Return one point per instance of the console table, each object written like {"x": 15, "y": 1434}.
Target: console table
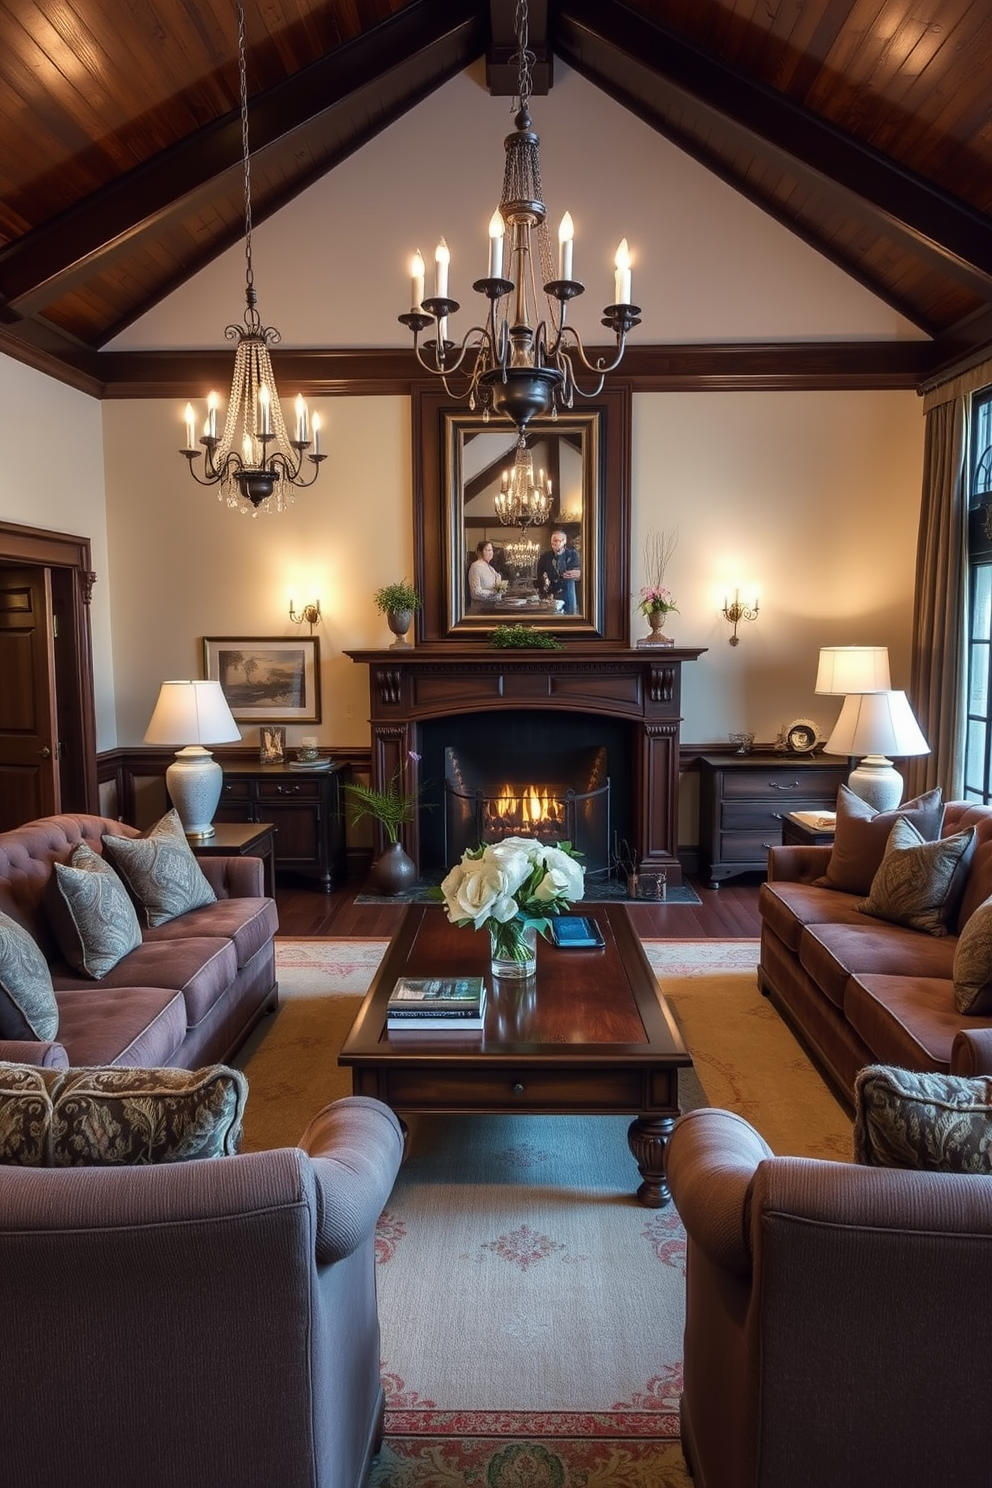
{"x": 305, "y": 808}
{"x": 744, "y": 799}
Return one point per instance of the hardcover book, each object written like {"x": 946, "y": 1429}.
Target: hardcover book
{"x": 437, "y": 997}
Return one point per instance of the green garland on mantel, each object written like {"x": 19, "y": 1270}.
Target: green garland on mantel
{"x": 522, "y": 636}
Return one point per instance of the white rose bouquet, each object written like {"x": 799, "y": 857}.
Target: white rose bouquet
{"x": 511, "y": 886}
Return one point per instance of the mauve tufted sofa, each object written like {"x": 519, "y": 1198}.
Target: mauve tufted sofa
{"x": 187, "y": 996}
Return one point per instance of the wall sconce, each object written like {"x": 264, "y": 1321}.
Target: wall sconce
{"x": 310, "y": 613}
{"x": 735, "y": 613}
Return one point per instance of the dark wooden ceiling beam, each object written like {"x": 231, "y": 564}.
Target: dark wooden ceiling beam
{"x": 41, "y": 265}
{"x": 790, "y": 366}
{"x": 613, "y": 47}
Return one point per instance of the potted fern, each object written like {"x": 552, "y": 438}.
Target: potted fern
{"x": 398, "y": 602}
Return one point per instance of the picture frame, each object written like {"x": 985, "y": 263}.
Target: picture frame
{"x": 266, "y": 679}
{"x": 271, "y": 743}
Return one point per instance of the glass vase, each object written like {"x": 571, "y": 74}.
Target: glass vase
{"x": 513, "y": 946}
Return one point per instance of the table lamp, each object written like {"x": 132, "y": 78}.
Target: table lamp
{"x": 193, "y": 714}
{"x": 875, "y": 725}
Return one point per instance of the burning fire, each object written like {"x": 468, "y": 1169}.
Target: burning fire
{"x": 527, "y": 811}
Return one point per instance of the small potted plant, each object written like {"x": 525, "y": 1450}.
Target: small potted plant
{"x": 398, "y": 603}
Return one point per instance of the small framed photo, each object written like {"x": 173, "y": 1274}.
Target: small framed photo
{"x": 266, "y": 679}
{"x": 271, "y": 744}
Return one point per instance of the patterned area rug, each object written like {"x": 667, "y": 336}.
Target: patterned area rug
{"x": 531, "y": 1310}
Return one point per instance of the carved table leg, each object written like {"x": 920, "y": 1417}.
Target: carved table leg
{"x": 648, "y": 1139}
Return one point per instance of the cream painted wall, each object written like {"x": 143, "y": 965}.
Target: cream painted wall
{"x": 52, "y": 441}
{"x": 187, "y": 566}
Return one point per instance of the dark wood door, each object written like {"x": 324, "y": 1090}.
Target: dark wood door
{"x": 29, "y": 774}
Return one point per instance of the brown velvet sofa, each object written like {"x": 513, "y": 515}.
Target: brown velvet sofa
{"x": 833, "y": 1313}
{"x": 187, "y": 996}
{"x": 860, "y": 990}
{"x": 198, "y": 1323}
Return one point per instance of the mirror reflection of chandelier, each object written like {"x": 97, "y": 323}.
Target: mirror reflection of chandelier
{"x": 518, "y": 364}
{"x": 522, "y": 555}
{"x": 523, "y": 501}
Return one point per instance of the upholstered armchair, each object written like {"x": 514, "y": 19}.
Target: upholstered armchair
{"x": 836, "y": 1317}
{"x": 197, "y": 1323}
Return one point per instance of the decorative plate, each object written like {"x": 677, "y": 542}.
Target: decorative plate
{"x": 801, "y": 736}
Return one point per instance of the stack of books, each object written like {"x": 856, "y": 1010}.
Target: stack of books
{"x": 437, "y": 1003}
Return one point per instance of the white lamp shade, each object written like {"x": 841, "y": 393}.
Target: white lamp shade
{"x": 877, "y": 723}
{"x": 192, "y": 713}
{"x": 846, "y": 669}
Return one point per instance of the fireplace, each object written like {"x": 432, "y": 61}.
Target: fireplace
{"x": 552, "y": 796}
{"x": 429, "y": 697}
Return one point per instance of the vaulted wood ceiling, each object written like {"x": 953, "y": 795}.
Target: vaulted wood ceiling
{"x": 865, "y": 126}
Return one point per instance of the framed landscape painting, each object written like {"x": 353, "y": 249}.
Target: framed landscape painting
{"x": 266, "y": 679}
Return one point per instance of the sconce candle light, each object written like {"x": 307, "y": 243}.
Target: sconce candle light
{"x": 309, "y": 613}
{"x": 738, "y": 611}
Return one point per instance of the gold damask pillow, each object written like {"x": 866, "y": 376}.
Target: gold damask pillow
{"x": 919, "y": 884}
{"x": 65, "y": 1118}
{"x": 938, "y": 1123}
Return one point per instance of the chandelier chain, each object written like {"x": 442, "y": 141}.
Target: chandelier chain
{"x": 251, "y": 315}
{"x": 523, "y": 56}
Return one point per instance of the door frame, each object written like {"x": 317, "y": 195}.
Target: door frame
{"x": 71, "y": 556}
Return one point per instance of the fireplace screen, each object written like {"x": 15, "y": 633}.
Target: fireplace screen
{"x": 562, "y": 796}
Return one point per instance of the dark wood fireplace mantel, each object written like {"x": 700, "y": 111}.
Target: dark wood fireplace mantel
{"x": 408, "y": 686}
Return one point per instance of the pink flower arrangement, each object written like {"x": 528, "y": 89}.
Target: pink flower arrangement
{"x": 656, "y": 599}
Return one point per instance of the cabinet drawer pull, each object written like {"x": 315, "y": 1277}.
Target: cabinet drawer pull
{"x": 518, "y": 1089}
{"x": 790, "y": 785}
{"x": 287, "y": 790}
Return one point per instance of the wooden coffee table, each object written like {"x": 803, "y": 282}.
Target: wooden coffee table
{"x": 589, "y": 1035}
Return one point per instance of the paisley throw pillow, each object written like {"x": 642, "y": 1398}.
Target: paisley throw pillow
{"x": 161, "y": 870}
{"x": 28, "y": 1009}
{"x": 919, "y": 884}
{"x": 940, "y": 1123}
{"x": 91, "y": 913}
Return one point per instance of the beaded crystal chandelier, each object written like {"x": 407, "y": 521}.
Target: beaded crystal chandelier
{"x": 254, "y": 461}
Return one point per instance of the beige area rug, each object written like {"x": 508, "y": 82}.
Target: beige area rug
{"x": 531, "y": 1309}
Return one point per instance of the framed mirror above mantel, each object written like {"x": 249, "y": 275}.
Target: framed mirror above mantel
{"x": 576, "y": 585}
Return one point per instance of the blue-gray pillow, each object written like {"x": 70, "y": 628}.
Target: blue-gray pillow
{"x": 28, "y": 1009}
{"x": 91, "y": 913}
{"x": 160, "y": 870}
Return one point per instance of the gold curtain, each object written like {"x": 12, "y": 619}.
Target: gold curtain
{"x": 939, "y": 665}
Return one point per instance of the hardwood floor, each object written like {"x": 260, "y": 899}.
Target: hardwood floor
{"x": 729, "y": 912}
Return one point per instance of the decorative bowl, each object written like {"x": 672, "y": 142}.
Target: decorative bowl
{"x": 742, "y": 742}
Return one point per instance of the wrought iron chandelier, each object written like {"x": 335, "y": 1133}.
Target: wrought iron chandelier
{"x": 523, "y": 501}
{"x": 254, "y": 461}
{"x": 512, "y": 365}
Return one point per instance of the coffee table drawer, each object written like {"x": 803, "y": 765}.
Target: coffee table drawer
{"x": 527, "y": 1088}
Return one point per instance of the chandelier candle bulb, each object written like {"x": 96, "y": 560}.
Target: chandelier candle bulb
{"x": 264, "y": 411}
{"x": 316, "y": 433}
{"x": 302, "y": 419}
{"x": 496, "y": 232}
{"x": 442, "y": 259}
{"x": 213, "y": 402}
{"x": 190, "y": 429}
{"x": 417, "y": 281}
{"x": 566, "y": 232}
{"x": 621, "y": 279}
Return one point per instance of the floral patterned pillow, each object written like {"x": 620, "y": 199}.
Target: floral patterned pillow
{"x": 62, "y": 1118}
{"x": 161, "y": 870}
{"x": 940, "y": 1123}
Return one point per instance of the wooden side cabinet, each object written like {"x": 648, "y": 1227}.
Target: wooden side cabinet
{"x": 743, "y": 800}
{"x": 305, "y": 808}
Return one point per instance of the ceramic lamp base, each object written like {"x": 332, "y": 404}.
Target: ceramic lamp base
{"x": 877, "y": 781}
{"x": 194, "y": 781}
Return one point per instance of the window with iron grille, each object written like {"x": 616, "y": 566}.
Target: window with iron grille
{"x": 978, "y": 736}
